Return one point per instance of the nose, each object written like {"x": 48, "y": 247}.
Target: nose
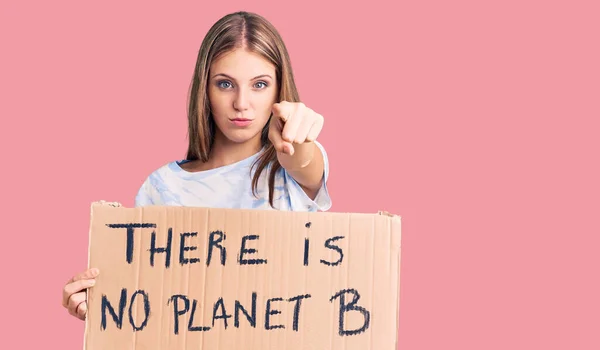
{"x": 241, "y": 101}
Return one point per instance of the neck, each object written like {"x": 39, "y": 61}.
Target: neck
{"x": 225, "y": 152}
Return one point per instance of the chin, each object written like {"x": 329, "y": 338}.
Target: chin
{"x": 241, "y": 136}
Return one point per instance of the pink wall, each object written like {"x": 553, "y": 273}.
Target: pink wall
{"x": 488, "y": 112}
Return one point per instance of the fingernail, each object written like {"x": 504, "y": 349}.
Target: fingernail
{"x": 95, "y": 272}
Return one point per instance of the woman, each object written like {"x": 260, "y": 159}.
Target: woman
{"x": 252, "y": 144}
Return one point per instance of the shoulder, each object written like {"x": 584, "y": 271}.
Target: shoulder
{"x": 165, "y": 174}
{"x": 161, "y": 180}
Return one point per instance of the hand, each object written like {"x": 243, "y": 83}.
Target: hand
{"x": 293, "y": 123}
{"x": 75, "y": 292}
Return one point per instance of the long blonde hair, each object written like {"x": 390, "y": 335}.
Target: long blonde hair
{"x": 255, "y": 33}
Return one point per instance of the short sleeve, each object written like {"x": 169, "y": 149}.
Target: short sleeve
{"x": 299, "y": 200}
{"x": 144, "y": 195}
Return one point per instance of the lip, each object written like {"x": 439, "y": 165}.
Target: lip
{"x": 241, "y": 121}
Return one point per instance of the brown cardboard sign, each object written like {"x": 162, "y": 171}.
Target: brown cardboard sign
{"x": 222, "y": 279}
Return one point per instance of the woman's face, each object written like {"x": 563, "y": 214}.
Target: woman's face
{"x": 242, "y": 88}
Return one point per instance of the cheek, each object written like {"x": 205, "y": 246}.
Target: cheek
{"x": 218, "y": 102}
{"x": 264, "y": 103}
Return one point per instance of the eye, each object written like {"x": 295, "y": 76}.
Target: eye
{"x": 224, "y": 84}
{"x": 261, "y": 85}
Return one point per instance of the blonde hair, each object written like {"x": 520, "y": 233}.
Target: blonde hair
{"x": 237, "y": 30}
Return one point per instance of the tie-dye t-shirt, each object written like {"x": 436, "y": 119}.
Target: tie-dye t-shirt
{"x": 229, "y": 187}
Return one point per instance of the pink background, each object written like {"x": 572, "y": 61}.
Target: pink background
{"x": 476, "y": 121}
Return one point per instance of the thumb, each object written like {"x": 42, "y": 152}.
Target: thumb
{"x": 278, "y": 142}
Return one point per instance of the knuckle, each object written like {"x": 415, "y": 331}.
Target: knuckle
{"x": 81, "y": 308}
{"x": 67, "y": 290}
{"x": 76, "y": 301}
{"x": 72, "y": 302}
{"x": 72, "y": 308}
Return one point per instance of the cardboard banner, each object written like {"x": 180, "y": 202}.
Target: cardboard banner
{"x": 223, "y": 279}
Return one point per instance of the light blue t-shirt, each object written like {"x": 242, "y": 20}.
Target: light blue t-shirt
{"x": 229, "y": 187}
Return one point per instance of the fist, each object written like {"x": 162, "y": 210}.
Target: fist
{"x": 293, "y": 123}
{"x": 75, "y": 293}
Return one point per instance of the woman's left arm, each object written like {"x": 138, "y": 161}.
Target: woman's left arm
{"x": 293, "y": 130}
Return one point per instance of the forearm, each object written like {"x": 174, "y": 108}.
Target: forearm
{"x": 306, "y": 166}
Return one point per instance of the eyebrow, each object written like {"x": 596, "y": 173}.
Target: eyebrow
{"x": 227, "y": 76}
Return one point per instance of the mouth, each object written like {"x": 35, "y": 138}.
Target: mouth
{"x": 241, "y": 121}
